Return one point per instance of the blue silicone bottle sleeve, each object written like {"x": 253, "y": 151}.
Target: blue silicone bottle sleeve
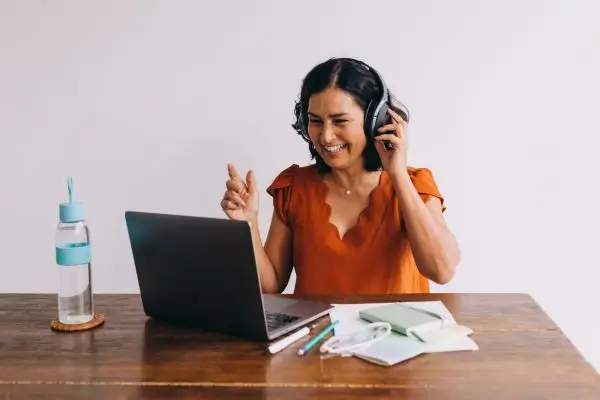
{"x": 73, "y": 254}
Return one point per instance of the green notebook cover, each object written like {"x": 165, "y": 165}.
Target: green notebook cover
{"x": 403, "y": 319}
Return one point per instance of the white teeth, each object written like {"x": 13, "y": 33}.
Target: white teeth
{"x": 335, "y": 149}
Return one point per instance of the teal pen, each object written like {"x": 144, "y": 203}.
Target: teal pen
{"x": 316, "y": 339}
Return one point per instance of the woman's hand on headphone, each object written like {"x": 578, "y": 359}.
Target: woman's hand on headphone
{"x": 240, "y": 201}
{"x": 393, "y": 160}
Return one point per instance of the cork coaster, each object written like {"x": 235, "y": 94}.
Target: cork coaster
{"x": 60, "y": 327}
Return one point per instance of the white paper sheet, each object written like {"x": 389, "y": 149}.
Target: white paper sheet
{"x": 397, "y": 348}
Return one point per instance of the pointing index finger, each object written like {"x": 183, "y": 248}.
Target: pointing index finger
{"x": 232, "y": 172}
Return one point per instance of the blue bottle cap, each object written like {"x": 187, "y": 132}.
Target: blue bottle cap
{"x": 73, "y": 211}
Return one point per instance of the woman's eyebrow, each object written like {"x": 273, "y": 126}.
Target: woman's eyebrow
{"x": 330, "y": 115}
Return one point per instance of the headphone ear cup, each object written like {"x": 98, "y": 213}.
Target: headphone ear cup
{"x": 400, "y": 109}
{"x": 382, "y": 118}
{"x": 376, "y": 116}
{"x": 369, "y": 122}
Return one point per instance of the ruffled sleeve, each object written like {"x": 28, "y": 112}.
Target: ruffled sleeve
{"x": 281, "y": 191}
{"x": 425, "y": 184}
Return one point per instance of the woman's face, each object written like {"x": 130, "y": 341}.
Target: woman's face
{"x": 335, "y": 127}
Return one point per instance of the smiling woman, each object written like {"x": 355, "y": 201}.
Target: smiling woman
{"x": 335, "y": 129}
{"x": 359, "y": 220}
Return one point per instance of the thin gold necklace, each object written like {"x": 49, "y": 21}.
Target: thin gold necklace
{"x": 347, "y": 191}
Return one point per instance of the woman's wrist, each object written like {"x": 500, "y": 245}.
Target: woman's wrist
{"x": 401, "y": 181}
{"x": 253, "y": 220}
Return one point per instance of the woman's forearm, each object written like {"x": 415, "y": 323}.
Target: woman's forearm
{"x": 269, "y": 280}
{"x": 434, "y": 247}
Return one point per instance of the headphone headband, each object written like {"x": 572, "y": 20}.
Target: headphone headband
{"x": 378, "y": 77}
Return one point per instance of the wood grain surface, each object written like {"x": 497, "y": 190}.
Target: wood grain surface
{"x": 522, "y": 355}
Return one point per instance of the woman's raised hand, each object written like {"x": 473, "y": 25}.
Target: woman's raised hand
{"x": 240, "y": 201}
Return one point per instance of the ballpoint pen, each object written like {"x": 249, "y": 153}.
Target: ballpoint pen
{"x": 424, "y": 311}
{"x": 316, "y": 339}
{"x": 288, "y": 340}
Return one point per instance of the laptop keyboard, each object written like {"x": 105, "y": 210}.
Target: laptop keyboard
{"x": 277, "y": 320}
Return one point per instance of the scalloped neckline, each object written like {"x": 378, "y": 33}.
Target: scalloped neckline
{"x": 365, "y": 214}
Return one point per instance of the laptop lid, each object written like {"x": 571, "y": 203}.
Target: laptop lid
{"x": 198, "y": 271}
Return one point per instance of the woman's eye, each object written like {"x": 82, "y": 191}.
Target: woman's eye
{"x": 314, "y": 121}
{"x": 341, "y": 121}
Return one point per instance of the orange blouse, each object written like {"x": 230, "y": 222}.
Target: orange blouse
{"x": 374, "y": 257}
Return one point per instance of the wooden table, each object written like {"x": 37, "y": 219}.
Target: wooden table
{"x": 522, "y": 355}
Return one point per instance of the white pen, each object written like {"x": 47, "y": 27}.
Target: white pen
{"x": 288, "y": 340}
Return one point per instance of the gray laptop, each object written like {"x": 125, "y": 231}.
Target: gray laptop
{"x": 201, "y": 272}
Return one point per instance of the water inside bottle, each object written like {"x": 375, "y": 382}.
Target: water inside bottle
{"x": 75, "y": 303}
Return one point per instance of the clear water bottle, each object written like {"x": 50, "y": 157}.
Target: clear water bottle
{"x": 73, "y": 256}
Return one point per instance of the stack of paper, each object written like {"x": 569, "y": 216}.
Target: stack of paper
{"x": 396, "y": 347}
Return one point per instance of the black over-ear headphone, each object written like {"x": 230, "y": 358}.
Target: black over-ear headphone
{"x": 376, "y": 112}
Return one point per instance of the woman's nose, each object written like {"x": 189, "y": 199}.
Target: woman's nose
{"x": 328, "y": 133}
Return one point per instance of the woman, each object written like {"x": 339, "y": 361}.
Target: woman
{"x": 359, "y": 220}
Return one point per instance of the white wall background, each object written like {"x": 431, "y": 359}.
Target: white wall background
{"x": 144, "y": 103}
